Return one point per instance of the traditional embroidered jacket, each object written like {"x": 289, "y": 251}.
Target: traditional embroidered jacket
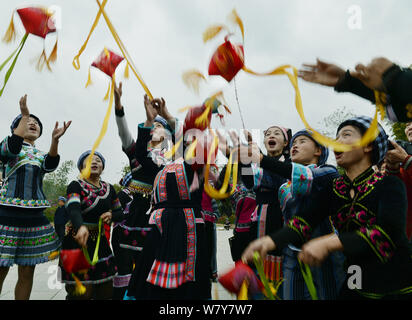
{"x": 25, "y": 167}
{"x": 371, "y": 227}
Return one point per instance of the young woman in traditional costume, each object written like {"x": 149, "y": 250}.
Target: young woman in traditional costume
{"x": 132, "y": 232}
{"x": 174, "y": 263}
{"x": 26, "y": 236}
{"x": 267, "y": 217}
{"x": 91, "y": 202}
{"x": 307, "y": 171}
{"x": 368, "y": 211}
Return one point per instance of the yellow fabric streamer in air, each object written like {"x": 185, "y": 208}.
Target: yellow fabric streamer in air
{"x": 193, "y": 78}
{"x": 76, "y": 59}
{"x": 232, "y": 167}
{"x": 119, "y": 42}
{"x": 369, "y": 136}
{"x": 86, "y": 171}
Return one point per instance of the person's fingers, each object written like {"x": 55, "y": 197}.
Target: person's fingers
{"x": 302, "y": 72}
{"x": 396, "y": 145}
{"x": 307, "y": 75}
{"x": 361, "y": 72}
{"x": 309, "y": 66}
{"x": 248, "y": 136}
{"x": 321, "y": 64}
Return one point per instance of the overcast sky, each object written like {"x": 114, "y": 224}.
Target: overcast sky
{"x": 164, "y": 38}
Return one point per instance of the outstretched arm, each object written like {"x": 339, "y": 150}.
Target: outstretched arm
{"x": 331, "y": 75}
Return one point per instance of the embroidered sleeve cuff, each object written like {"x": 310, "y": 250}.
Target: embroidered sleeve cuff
{"x": 51, "y": 163}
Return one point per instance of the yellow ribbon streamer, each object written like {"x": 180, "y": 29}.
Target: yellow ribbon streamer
{"x": 119, "y": 42}
{"x": 369, "y": 136}
{"x": 86, "y": 171}
{"x": 232, "y": 166}
{"x": 76, "y": 59}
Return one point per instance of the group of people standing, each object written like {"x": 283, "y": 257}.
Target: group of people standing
{"x": 291, "y": 206}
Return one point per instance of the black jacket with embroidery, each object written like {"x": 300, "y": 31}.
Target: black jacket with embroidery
{"x": 371, "y": 228}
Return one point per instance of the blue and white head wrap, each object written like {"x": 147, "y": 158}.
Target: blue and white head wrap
{"x": 85, "y": 154}
{"x": 379, "y": 145}
{"x": 16, "y": 122}
{"x": 324, "y": 150}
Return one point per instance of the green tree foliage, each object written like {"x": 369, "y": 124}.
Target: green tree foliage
{"x": 55, "y": 185}
{"x": 329, "y": 124}
{"x": 398, "y": 129}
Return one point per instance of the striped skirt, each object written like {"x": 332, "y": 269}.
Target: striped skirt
{"x": 26, "y": 237}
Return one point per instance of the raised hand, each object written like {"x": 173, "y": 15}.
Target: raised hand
{"x": 323, "y": 73}
{"x": 371, "y": 75}
{"x": 151, "y": 111}
{"x": 24, "y": 110}
{"x": 117, "y": 96}
{"x": 248, "y": 137}
{"x": 59, "y": 132}
{"x": 160, "y": 106}
{"x": 249, "y": 154}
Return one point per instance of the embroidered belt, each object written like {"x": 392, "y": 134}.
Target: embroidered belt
{"x": 144, "y": 189}
{"x": 93, "y": 229}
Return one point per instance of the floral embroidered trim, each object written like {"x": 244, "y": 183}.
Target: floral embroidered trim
{"x": 364, "y": 187}
{"x": 72, "y": 198}
{"x": 16, "y": 202}
{"x": 90, "y": 195}
{"x": 360, "y": 215}
{"x": 302, "y": 178}
{"x": 140, "y": 187}
{"x": 7, "y": 241}
{"x": 379, "y": 241}
{"x": 285, "y": 194}
{"x": 301, "y": 227}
